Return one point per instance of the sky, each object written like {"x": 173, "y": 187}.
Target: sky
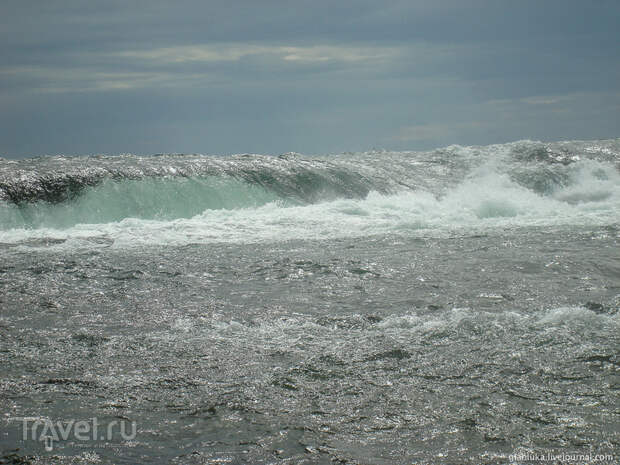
{"x": 219, "y": 77}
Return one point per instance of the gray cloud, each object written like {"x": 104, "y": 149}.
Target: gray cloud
{"x": 153, "y": 76}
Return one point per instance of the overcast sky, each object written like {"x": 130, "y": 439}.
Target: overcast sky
{"x": 262, "y": 76}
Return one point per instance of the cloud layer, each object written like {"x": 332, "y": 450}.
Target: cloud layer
{"x": 224, "y": 77}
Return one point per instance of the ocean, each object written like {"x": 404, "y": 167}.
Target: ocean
{"x": 454, "y": 306}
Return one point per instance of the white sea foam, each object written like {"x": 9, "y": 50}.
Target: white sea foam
{"x": 492, "y": 194}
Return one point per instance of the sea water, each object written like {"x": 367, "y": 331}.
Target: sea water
{"x": 452, "y": 306}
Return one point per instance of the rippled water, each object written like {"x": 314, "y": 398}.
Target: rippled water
{"x": 454, "y": 306}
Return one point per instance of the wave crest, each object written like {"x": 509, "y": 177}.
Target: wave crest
{"x": 349, "y": 194}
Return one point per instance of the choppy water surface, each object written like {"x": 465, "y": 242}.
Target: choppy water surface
{"x": 453, "y": 306}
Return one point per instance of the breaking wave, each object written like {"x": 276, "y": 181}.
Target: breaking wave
{"x": 257, "y": 197}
